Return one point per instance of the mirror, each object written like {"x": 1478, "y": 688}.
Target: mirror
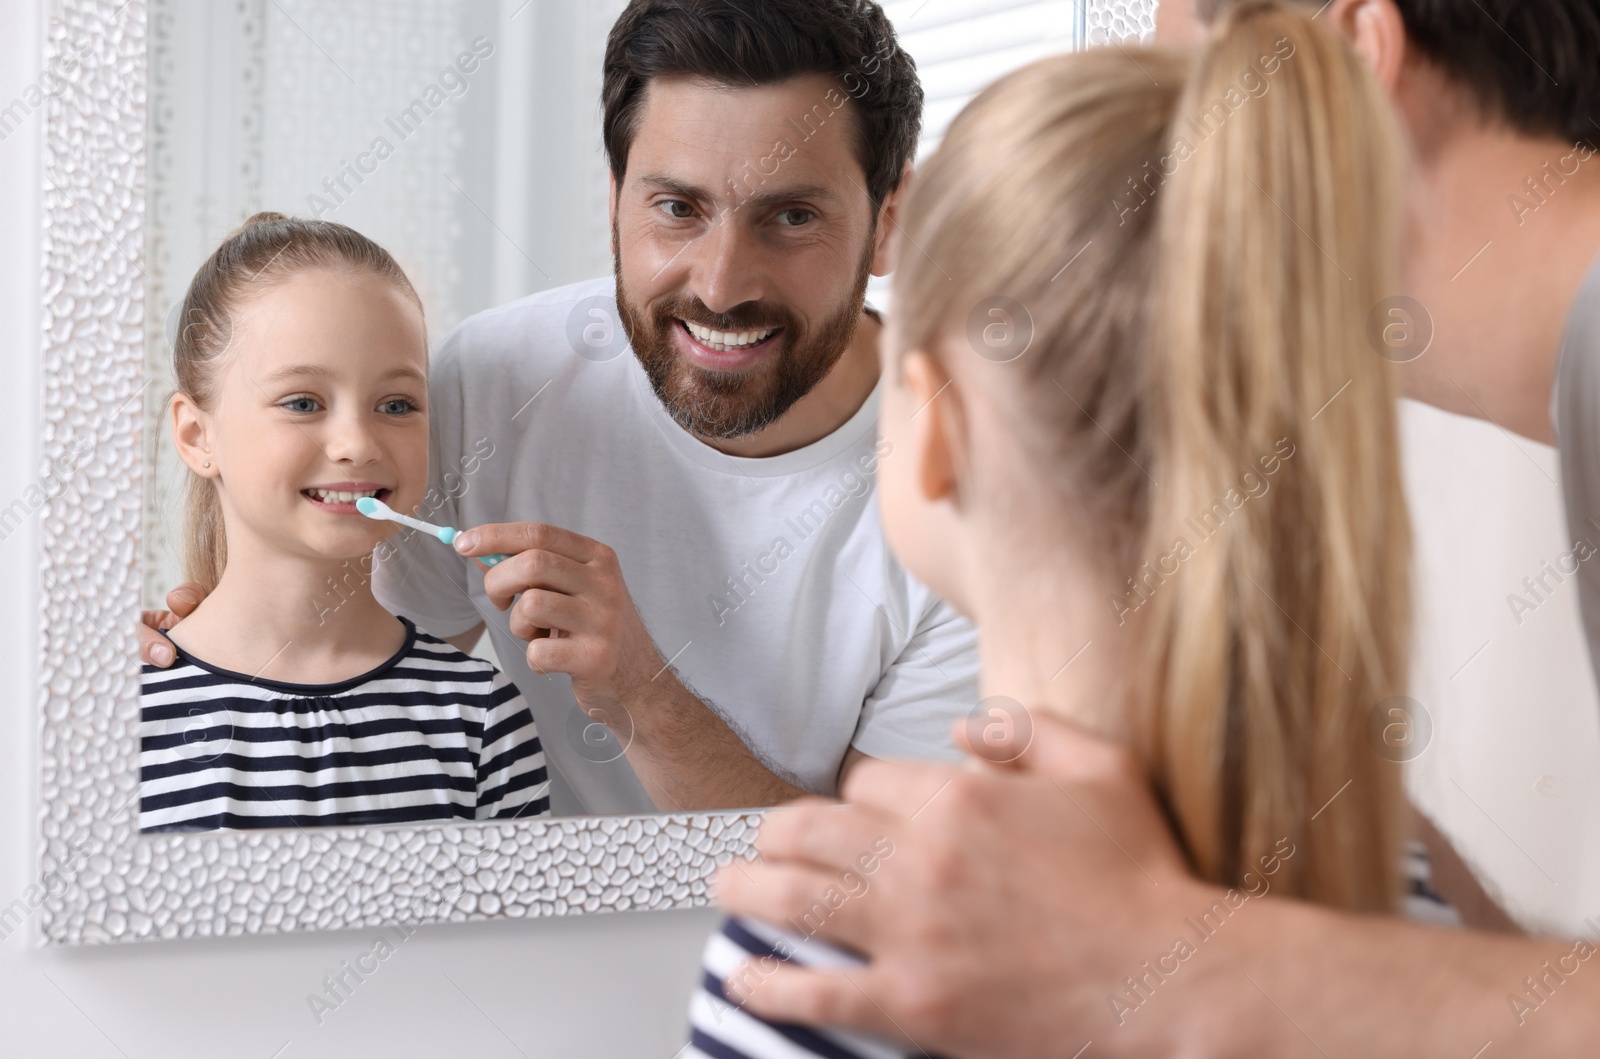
{"x": 463, "y": 136}
{"x": 753, "y": 608}
{"x": 442, "y": 130}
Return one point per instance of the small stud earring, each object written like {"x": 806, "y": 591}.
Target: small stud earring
{"x": 207, "y": 463}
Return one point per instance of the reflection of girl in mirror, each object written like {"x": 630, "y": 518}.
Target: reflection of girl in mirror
{"x": 301, "y": 364}
{"x": 1183, "y": 272}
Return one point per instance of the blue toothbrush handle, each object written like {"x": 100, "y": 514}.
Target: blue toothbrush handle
{"x": 448, "y": 534}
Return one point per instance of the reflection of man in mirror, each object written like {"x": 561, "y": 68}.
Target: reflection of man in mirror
{"x": 697, "y": 558}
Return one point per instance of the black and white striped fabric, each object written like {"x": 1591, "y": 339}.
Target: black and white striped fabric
{"x": 431, "y": 734}
{"x": 1422, "y": 903}
{"x": 719, "y": 1029}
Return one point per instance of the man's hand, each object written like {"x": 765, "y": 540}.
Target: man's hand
{"x": 1027, "y": 910}
{"x": 181, "y": 601}
{"x": 1011, "y": 902}
{"x": 568, "y": 600}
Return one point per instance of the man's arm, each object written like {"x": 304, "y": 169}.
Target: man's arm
{"x": 1360, "y": 985}
{"x": 1028, "y": 910}
{"x": 684, "y": 752}
{"x": 712, "y": 768}
{"x": 569, "y": 602}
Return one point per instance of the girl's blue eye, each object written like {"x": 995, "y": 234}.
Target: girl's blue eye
{"x": 301, "y": 405}
{"x": 397, "y": 406}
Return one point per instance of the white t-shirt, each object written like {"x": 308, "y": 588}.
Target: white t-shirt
{"x": 767, "y": 583}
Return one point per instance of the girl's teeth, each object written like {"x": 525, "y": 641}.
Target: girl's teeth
{"x": 333, "y": 496}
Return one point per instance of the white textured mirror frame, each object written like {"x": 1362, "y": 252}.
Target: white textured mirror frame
{"x": 99, "y": 879}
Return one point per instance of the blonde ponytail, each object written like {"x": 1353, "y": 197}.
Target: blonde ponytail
{"x": 1276, "y": 236}
{"x": 1196, "y": 243}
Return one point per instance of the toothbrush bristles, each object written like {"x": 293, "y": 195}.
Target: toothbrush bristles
{"x": 372, "y": 507}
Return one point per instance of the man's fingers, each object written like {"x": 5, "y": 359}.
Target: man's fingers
{"x": 825, "y": 835}
{"x": 812, "y": 997}
{"x": 181, "y": 602}
{"x": 898, "y": 788}
{"x": 819, "y": 903}
{"x": 183, "y": 599}
{"x": 509, "y": 538}
{"x": 554, "y": 654}
{"x": 535, "y": 568}
{"x": 153, "y": 647}
{"x": 987, "y": 757}
{"x": 1063, "y": 751}
{"x": 538, "y": 610}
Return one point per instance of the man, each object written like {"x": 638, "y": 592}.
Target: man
{"x": 705, "y": 613}
{"x": 1500, "y": 98}
{"x": 1501, "y": 101}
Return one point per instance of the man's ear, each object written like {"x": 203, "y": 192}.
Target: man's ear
{"x": 190, "y": 426}
{"x": 611, "y": 199}
{"x": 1376, "y": 31}
{"x": 888, "y": 220}
{"x": 938, "y": 428}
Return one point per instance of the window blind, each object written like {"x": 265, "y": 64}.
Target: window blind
{"x": 961, "y": 46}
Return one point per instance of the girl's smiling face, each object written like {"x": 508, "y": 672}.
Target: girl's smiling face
{"x": 321, "y": 399}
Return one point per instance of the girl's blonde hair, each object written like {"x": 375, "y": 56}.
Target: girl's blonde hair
{"x": 1198, "y": 243}
{"x": 264, "y": 250}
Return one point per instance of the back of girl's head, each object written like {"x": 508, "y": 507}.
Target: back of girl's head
{"x": 265, "y": 250}
{"x": 1197, "y": 243}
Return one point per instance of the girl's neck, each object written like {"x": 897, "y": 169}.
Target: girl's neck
{"x": 1050, "y": 641}
{"x": 291, "y": 619}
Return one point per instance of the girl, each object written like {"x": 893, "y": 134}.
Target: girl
{"x": 296, "y": 699}
{"x": 1139, "y": 429}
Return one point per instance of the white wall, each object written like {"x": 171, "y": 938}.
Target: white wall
{"x": 614, "y": 985}
{"x": 1513, "y": 771}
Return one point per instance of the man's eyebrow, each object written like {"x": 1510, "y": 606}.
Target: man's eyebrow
{"x": 295, "y": 371}
{"x": 772, "y": 197}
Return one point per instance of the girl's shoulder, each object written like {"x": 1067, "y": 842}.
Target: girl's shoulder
{"x": 431, "y": 659}
{"x": 426, "y": 647}
{"x": 422, "y": 662}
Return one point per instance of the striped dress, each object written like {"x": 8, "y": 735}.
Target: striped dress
{"x": 431, "y": 734}
{"x": 720, "y": 1030}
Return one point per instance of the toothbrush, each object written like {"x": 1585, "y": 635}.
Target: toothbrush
{"x": 374, "y": 508}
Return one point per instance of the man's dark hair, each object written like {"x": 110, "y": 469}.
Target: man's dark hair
{"x": 762, "y": 42}
{"x": 1534, "y": 64}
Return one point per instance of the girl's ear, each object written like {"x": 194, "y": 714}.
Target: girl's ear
{"x": 938, "y": 428}
{"x": 190, "y": 426}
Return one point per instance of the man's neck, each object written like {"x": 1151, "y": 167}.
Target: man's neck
{"x": 1508, "y": 227}
{"x": 828, "y": 406}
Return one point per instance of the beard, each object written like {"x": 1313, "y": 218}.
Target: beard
{"x": 722, "y": 405}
